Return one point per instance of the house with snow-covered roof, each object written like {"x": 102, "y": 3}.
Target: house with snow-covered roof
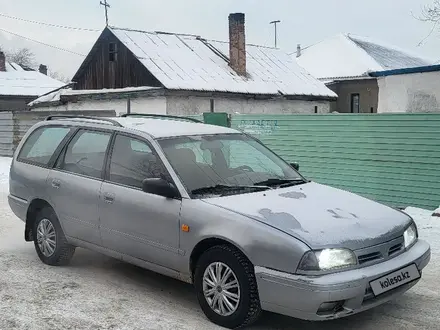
{"x": 19, "y": 85}
{"x": 188, "y": 74}
{"x": 344, "y": 63}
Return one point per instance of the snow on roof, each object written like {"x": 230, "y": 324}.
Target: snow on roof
{"x": 16, "y": 81}
{"x": 347, "y": 55}
{"x": 55, "y": 96}
{"x": 188, "y": 62}
{"x": 163, "y": 128}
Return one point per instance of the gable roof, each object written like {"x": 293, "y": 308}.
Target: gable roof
{"x": 189, "y": 62}
{"x": 346, "y": 55}
{"x": 17, "y": 81}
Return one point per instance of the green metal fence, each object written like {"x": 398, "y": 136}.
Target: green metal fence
{"x": 392, "y": 158}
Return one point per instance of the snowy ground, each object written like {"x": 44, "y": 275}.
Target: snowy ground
{"x": 96, "y": 292}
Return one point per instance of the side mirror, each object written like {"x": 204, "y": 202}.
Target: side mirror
{"x": 160, "y": 187}
{"x": 295, "y": 166}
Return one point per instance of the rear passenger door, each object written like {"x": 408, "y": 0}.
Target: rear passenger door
{"x": 75, "y": 183}
{"x": 135, "y": 223}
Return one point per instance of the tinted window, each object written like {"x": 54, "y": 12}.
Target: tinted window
{"x": 132, "y": 161}
{"x": 42, "y": 143}
{"x": 85, "y": 154}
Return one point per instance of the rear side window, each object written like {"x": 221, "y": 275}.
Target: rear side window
{"x": 42, "y": 143}
{"x": 85, "y": 154}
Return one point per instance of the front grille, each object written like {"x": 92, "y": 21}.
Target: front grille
{"x": 394, "y": 249}
{"x": 381, "y": 252}
{"x": 369, "y": 257}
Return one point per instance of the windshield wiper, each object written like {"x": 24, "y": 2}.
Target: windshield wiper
{"x": 222, "y": 188}
{"x": 281, "y": 182}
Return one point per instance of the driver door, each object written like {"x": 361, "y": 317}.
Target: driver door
{"x": 135, "y": 223}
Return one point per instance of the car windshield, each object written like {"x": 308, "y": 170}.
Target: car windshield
{"x": 226, "y": 164}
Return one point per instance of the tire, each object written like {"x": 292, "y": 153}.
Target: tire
{"x": 248, "y": 308}
{"x": 62, "y": 251}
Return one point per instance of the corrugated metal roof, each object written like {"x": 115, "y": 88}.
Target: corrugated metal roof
{"x": 188, "y": 62}
{"x": 347, "y": 55}
{"x": 16, "y": 81}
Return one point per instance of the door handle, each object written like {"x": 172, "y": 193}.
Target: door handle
{"x": 109, "y": 198}
{"x": 56, "y": 183}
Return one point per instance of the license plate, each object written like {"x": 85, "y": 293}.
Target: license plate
{"x": 395, "y": 279}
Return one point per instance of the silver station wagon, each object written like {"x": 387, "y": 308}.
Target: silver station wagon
{"x": 214, "y": 207}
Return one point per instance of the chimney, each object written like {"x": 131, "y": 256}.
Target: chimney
{"x": 43, "y": 69}
{"x": 298, "y": 50}
{"x": 2, "y": 62}
{"x": 237, "y": 43}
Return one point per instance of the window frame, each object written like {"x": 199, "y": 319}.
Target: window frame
{"x": 112, "y": 52}
{"x": 63, "y": 151}
{"x": 153, "y": 150}
{"x": 55, "y": 154}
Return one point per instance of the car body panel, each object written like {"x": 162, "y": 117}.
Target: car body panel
{"x": 75, "y": 201}
{"x": 142, "y": 225}
{"x": 256, "y": 240}
{"x": 320, "y": 216}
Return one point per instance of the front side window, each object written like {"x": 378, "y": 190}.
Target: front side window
{"x": 85, "y": 154}
{"x": 231, "y": 160}
{"x": 133, "y": 161}
{"x": 42, "y": 143}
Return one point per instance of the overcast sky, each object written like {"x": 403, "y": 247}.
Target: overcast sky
{"x": 304, "y": 22}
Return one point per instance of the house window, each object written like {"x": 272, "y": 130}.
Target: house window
{"x": 355, "y": 108}
{"x": 112, "y": 52}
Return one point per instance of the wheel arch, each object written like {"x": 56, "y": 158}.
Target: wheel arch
{"x": 206, "y": 244}
{"x": 35, "y": 206}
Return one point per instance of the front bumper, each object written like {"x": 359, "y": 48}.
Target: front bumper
{"x": 301, "y": 296}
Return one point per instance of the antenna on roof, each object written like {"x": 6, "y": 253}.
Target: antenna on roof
{"x": 106, "y": 7}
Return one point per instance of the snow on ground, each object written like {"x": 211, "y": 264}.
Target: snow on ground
{"x": 98, "y": 292}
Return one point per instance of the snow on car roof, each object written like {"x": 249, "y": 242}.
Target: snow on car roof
{"x": 162, "y": 128}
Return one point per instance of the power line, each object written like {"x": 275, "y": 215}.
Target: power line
{"x": 42, "y": 43}
{"x": 49, "y": 24}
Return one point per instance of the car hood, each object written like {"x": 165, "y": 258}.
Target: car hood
{"x": 319, "y": 215}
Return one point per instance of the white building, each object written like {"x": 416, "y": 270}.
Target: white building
{"x": 409, "y": 90}
{"x": 190, "y": 75}
{"x": 344, "y": 63}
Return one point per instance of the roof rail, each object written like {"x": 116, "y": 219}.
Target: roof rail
{"x": 107, "y": 120}
{"x": 151, "y": 115}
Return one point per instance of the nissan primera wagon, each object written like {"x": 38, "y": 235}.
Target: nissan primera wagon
{"x": 214, "y": 207}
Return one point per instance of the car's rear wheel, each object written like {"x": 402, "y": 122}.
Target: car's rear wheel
{"x": 226, "y": 287}
{"x": 49, "y": 240}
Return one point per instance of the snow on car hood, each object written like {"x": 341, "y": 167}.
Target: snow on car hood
{"x": 319, "y": 215}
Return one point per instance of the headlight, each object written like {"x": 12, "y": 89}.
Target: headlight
{"x": 410, "y": 236}
{"x": 328, "y": 259}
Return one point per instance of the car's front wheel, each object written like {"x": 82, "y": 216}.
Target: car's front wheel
{"x": 227, "y": 288}
{"x": 49, "y": 240}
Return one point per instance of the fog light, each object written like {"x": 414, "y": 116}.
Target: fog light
{"x": 332, "y": 307}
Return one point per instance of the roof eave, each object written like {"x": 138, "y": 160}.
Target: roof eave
{"x": 418, "y": 69}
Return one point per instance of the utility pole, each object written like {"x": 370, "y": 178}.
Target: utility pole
{"x": 106, "y": 7}
{"x": 275, "y": 25}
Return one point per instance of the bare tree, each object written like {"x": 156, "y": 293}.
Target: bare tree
{"x": 430, "y": 14}
{"x": 58, "y": 76}
{"x": 23, "y": 57}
